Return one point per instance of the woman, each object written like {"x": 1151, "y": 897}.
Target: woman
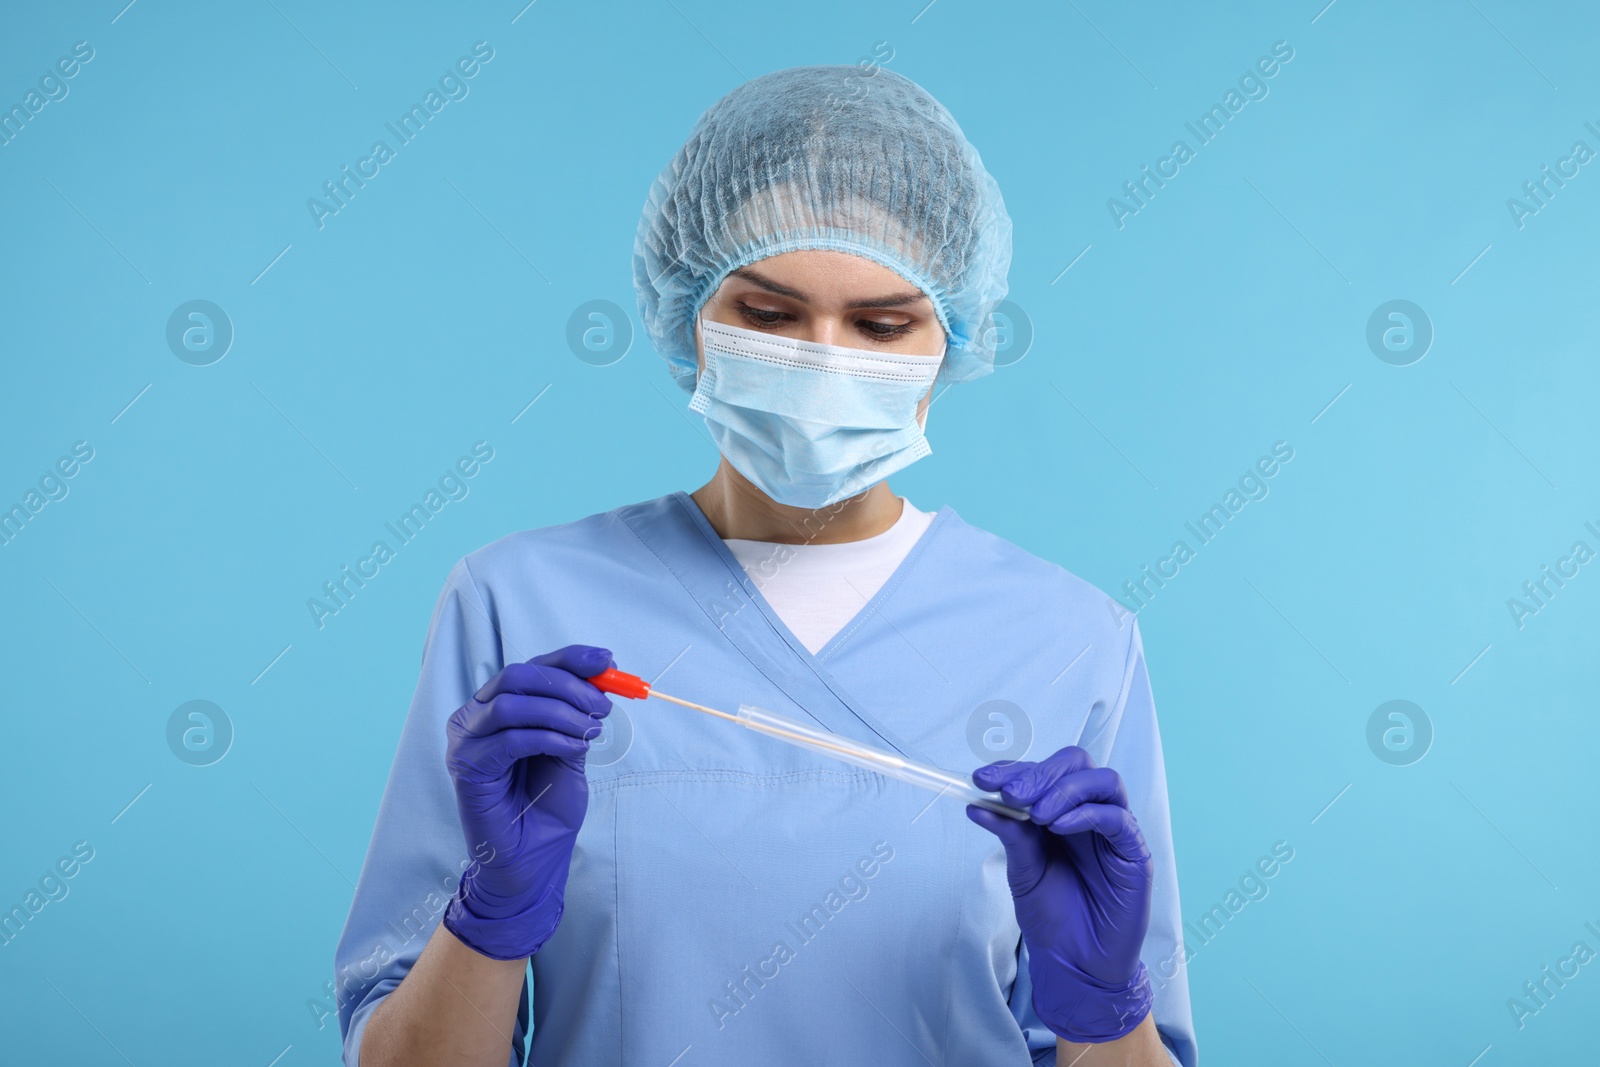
{"x": 824, "y": 249}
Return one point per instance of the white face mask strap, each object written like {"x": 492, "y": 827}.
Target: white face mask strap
{"x": 707, "y": 352}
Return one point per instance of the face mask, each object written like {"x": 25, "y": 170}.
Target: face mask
{"x": 810, "y": 424}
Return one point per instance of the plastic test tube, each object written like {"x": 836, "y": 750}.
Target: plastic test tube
{"x": 623, "y": 684}
{"x": 874, "y": 759}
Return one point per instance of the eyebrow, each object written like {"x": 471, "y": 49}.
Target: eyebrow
{"x": 891, "y": 301}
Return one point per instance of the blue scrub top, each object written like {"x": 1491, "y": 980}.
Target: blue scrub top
{"x": 736, "y": 900}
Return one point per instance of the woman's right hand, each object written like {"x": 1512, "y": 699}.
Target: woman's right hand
{"x": 516, "y": 752}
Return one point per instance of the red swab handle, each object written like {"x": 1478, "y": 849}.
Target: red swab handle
{"x": 621, "y": 683}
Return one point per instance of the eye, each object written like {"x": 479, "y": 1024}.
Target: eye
{"x": 883, "y": 331}
{"x": 762, "y": 317}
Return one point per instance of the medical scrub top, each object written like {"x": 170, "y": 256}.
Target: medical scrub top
{"x": 734, "y": 899}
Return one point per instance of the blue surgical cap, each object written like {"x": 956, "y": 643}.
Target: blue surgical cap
{"x": 851, "y": 159}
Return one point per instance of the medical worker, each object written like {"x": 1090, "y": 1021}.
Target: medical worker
{"x": 816, "y": 262}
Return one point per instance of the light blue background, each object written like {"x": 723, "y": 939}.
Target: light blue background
{"x": 426, "y": 315}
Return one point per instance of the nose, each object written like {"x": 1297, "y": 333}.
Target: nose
{"x": 825, "y": 330}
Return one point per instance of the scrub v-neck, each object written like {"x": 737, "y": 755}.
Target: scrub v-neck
{"x": 697, "y": 557}
{"x": 816, "y": 589}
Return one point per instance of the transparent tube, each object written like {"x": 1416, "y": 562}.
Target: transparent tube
{"x": 874, "y": 759}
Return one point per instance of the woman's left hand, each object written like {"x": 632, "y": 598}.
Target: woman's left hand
{"x": 1080, "y": 877}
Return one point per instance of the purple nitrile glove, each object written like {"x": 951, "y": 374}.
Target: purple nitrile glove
{"x": 516, "y": 753}
{"x": 1080, "y": 877}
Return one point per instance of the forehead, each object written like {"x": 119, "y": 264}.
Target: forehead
{"x": 825, "y": 276}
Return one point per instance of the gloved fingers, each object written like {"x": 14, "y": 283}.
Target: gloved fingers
{"x": 499, "y": 751}
{"x": 538, "y": 679}
{"x": 1065, "y": 761}
{"x": 582, "y": 660}
{"x": 1008, "y": 830}
{"x": 993, "y": 775}
{"x": 1025, "y": 853}
{"x": 509, "y": 711}
{"x": 562, "y": 674}
{"x": 1100, "y": 785}
{"x": 1116, "y": 824}
{"x": 1023, "y": 788}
